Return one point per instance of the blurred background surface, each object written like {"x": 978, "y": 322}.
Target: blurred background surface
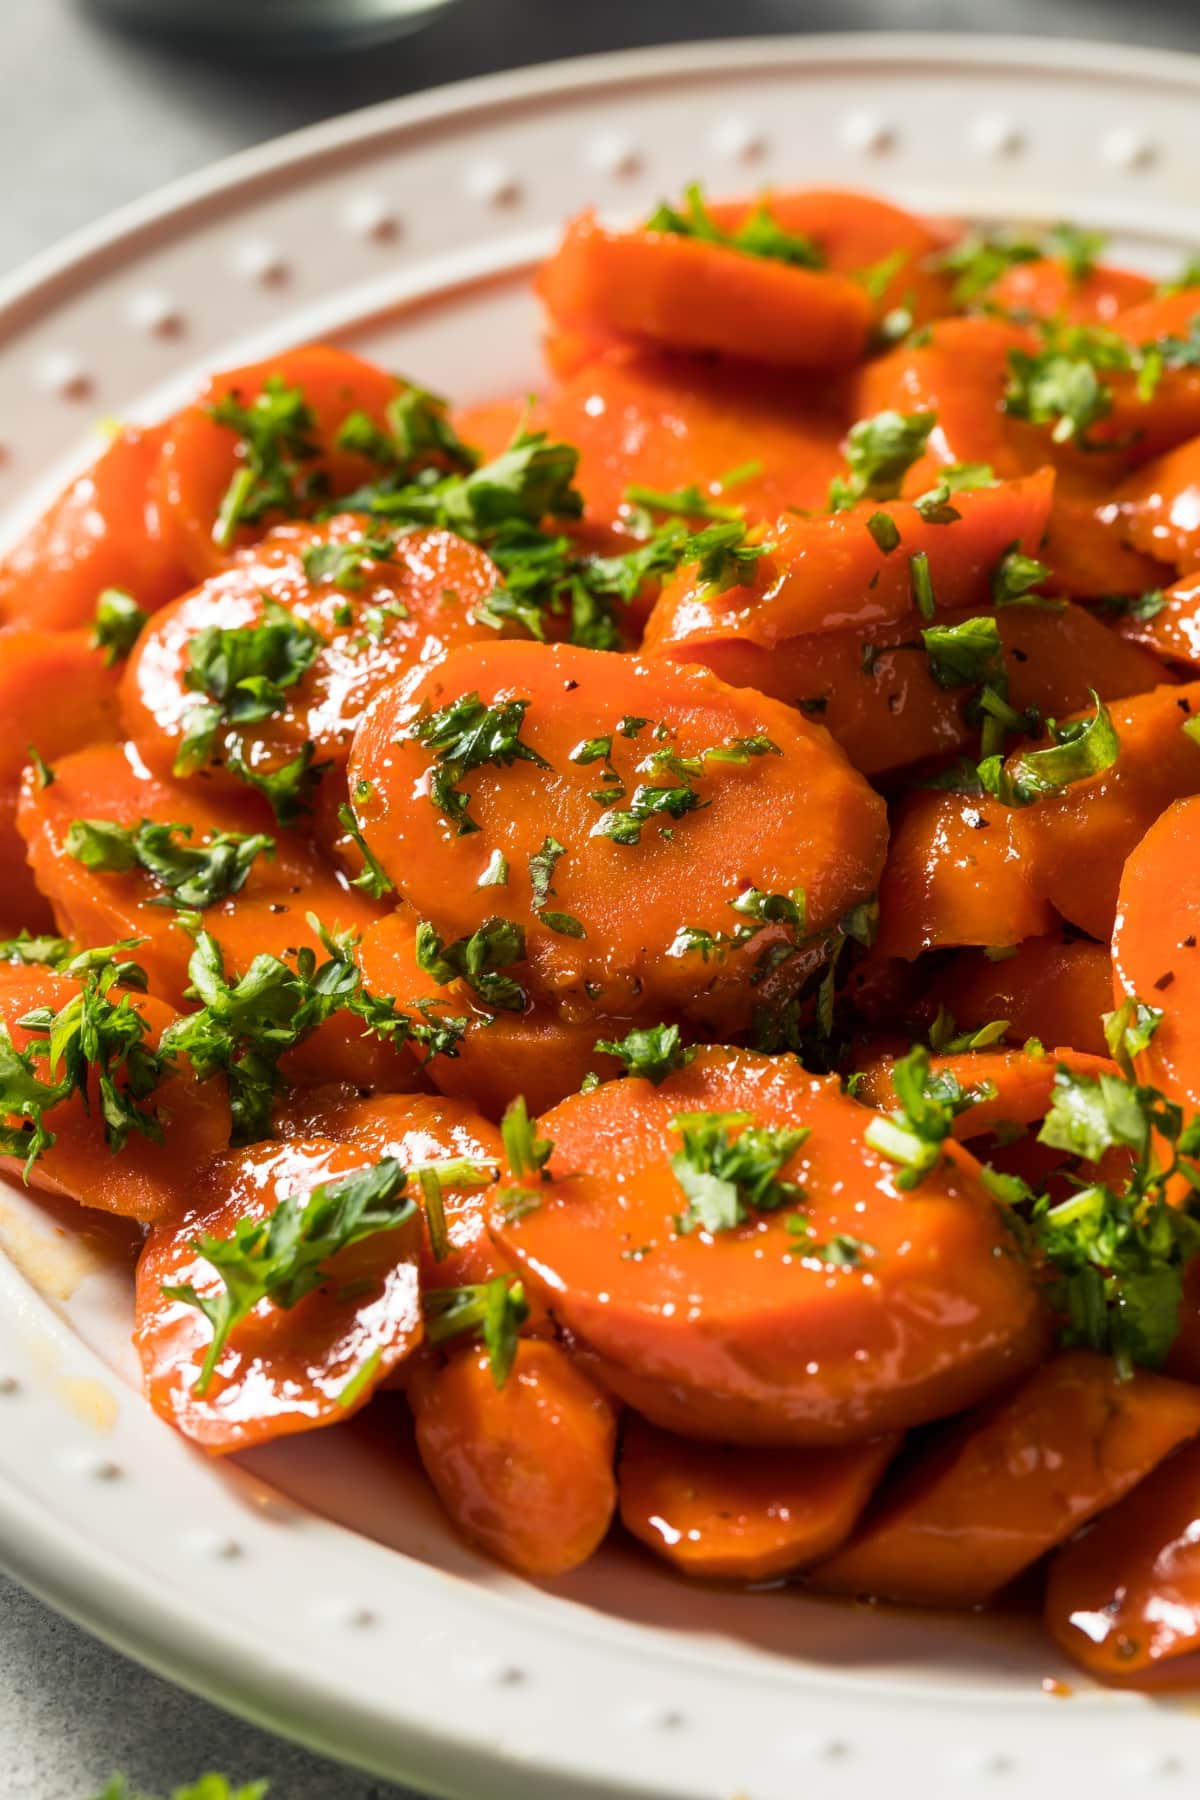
{"x": 95, "y": 115}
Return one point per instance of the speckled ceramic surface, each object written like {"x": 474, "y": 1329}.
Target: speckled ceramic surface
{"x": 314, "y": 1586}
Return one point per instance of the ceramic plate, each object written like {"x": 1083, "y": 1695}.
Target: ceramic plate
{"x": 314, "y": 1586}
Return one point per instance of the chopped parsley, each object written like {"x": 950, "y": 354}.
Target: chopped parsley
{"x": 879, "y": 453}
{"x": 1083, "y": 748}
{"x": 493, "y": 1311}
{"x": 118, "y": 624}
{"x": 340, "y": 563}
{"x": 467, "y": 735}
{"x": 1129, "y": 1029}
{"x": 651, "y": 1052}
{"x": 759, "y": 234}
{"x": 276, "y": 431}
{"x": 419, "y": 434}
{"x": 624, "y": 824}
{"x": 283, "y": 1257}
{"x": 480, "y": 960}
{"x": 965, "y": 655}
{"x": 725, "y": 1178}
{"x": 913, "y": 1135}
{"x": 192, "y": 876}
{"x": 374, "y": 879}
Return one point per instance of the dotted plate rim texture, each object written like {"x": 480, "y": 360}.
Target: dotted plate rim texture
{"x": 409, "y": 230}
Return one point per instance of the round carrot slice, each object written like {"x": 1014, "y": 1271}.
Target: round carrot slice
{"x": 282, "y": 1369}
{"x": 535, "y": 1052}
{"x": 1155, "y": 947}
{"x": 1022, "y": 1084}
{"x": 146, "y": 1177}
{"x": 525, "y": 1471}
{"x": 413, "y": 1129}
{"x": 1167, "y": 622}
{"x": 316, "y": 389}
{"x": 104, "y": 531}
{"x": 625, "y": 801}
{"x": 285, "y": 880}
{"x": 1046, "y": 287}
{"x": 1123, "y": 1599}
{"x": 1157, "y": 511}
{"x": 749, "y": 1517}
{"x": 856, "y": 1309}
{"x": 1073, "y": 844}
{"x": 410, "y": 596}
{"x": 832, "y": 573}
{"x": 1051, "y": 988}
{"x": 966, "y": 1515}
{"x": 693, "y": 295}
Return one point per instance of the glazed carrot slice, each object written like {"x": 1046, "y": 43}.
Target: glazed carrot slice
{"x": 104, "y": 531}
{"x": 1051, "y": 988}
{"x": 1048, "y": 288}
{"x": 524, "y": 1471}
{"x": 200, "y": 457}
{"x": 858, "y": 234}
{"x": 1085, "y": 557}
{"x": 1023, "y": 1084}
{"x": 409, "y": 602}
{"x": 1155, "y": 953}
{"x": 37, "y": 670}
{"x": 748, "y": 1515}
{"x": 537, "y": 1053}
{"x": 1170, "y": 629}
{"x": 285, "y": 882}
{"x": 954, "y": 876}
{"x": 282, "y": 1369}
{"x": 1171, "y": 413}
{"x": 1008, "y": 1484}
{"x": 640, "y": 418}
{"x": 1157, "y": 510}
{"x": 1074, "y": 843}
{"x": 412, "y": 1129}
{"x": 146, "y": 1179}
{"x": 830, "y": 573}
{"x": 692, "y": 295}
{"x": 637, "y": 904}
{"x": 760, "y": 1333}
{"x": 1123, "y": 1599}
{"x": 874, "y": 691}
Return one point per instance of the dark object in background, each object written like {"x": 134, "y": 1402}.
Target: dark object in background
{"x": 281, "y": 25}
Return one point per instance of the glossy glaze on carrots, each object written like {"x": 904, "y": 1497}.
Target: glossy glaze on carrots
{"x": 658, "y": 919}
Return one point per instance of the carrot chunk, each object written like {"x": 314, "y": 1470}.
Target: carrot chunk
{"x": 745, "y": 1517}
{"x": 1051, "y": 988}
{"x": 785, "y": 1328}
{"x": 1008, "y": 1484}
{"x": 1155, "y": 947}
{"x": 525, "y": 1471}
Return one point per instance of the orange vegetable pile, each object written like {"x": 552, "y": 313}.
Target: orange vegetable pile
{"x": 656, "y": 925}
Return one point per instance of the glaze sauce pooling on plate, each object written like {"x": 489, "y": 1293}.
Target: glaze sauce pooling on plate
{"x": 659, "y": 919}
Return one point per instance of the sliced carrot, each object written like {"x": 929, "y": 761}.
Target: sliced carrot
{"x": 829, "y": 573}
{"x": 1156, "y": 953}
{"x": 874, "y": 692}
{"x": 858, "y": 234}
{"x": 1123, "y": 1599}
{"x": 745, "y": 1517}
{"x": 282, "y": 1370}
{"x": 1023, "y": 1084}
{"x": 1171, "y": 413}
{"x": 525, "y": 1471}
{"x": 201, "y": 457}
{"x": 1173, "y": 631}
{"x": 268, "y": 914}
{"x": 1157, "y": 510}
{"x": 1008, "y": 1484}
{"x": 104, "y": 531}
{"x": 693, "y": 295}
{"x": 38, "y": 670}
{"x": 1085, "y": 557}
{"x": 410, "y": 606}
{"x": 412, "y": 1129}
{"x": 743, "y": 1335}
{"x": 1047, "y": 288}
{"x": 1074, "y": 844}
{"x": 1052, "y": 988}
{"x": 146, "y": 1180}
{"x": 538, "y": 1053}
{"x": 620, "y": 923}
{"x": 955, "y": 876}
{"x": 641, "y": 418}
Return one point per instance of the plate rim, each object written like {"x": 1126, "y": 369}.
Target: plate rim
{"x": 47, "y": 1554}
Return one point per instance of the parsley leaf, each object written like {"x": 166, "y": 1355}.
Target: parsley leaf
{"x": 1081, "y": 749}
{"x": 965, "y": 655}
{"x": 118, "y": 624}
{"x": 467, "y": 735}
{"x": 341, "y": 563}
{"x": 624, "y": 824}
{"x": 651, "y": 1052}
{"x": 479, "y": 960}
{"x": 374, "y": 879}
{"x": 419, "y": 434}
{"x": 1129, "y": 1029}
{"x": 913, "y": 1135}
{"x": 494, "y": 1310}
{"x": 725, "y": 1178}
{"x": 879, "y": 453}
{"x": 759, "y": 234}
{"x": 194, "y": 877}
{"x": 276, "y": 431}
{"x": 285, "y": 1256}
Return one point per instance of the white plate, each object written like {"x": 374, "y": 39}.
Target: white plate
{"x": 316, "y": 1589}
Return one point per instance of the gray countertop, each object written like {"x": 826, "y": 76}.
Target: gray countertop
{"x": 92, "y": 118}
